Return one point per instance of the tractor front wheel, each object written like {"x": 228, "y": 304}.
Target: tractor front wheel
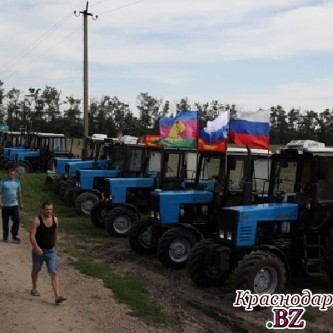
{"x": 22, "y": 167}
{"x": 84, "y": 202}
{"x": 142, "y": 237}
{"x": 119, "y": 221}
{"x": 208, "y": 264}
{"x": 97, "y": 214}
{"x": 174, "y": 247}
{"x": 261, "y": 272}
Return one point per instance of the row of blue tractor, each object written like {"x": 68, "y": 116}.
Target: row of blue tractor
{"x": 255, "y": 217}
{"x": 247, "y": 214}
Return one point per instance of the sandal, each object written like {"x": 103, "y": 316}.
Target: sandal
{"x": 34, "y": 292}
{"x": 60, "y": 299}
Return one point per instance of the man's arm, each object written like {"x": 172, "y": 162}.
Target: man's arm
{"x": 20, "y": 200}
{"x": 56, "y": 232}
{"x": 33, "y": 229}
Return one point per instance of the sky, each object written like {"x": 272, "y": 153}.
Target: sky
{"x": 252, "y": 53}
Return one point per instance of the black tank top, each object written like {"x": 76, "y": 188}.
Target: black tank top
{"x": 45, "y": 236}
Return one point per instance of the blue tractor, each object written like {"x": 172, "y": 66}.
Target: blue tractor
{"x": 181, "y": 218}
{"x": 126, "y": 163}
{"x": 46, "y": 147}
{"x": 292, "y": 233}
{"x": 64, "y": 177}
{"x": 126, "y": 199}
{"x": 13, "y": 142}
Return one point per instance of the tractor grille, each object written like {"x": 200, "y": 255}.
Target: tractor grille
{"x": 245, "y": 234}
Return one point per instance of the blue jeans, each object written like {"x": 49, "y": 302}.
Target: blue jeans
{"x": 50, "y": 256}
{"x": 7, "y": 212}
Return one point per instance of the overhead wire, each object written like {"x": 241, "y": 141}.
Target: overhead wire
{"x": 22, "y": 55}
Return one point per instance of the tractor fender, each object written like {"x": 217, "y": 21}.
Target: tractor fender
{"x": 133, "y": 208}
{"x": 25, "y": 162}
{"x": 98, "y": 193}
{"x": 275, "y": 250}
{"x": 187, "y": 226}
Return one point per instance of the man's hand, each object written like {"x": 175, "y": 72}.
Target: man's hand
{"x": 38, "y": 251}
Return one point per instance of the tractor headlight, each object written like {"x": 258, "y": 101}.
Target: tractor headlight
{"x": 204, "y": 210}
{"x": 155, "y": 215}
{"x": 182, "y": 211}
{"x": 229, "y": 236}
{"x": 221, "y": 234}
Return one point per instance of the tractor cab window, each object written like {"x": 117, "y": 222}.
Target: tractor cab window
{"x": 154, "y": 161}
{"x": 135, "y": 161}
{"x": 325, "y": 186}
{"x": 285, "y": 177}
{"x": 236, "y": 176}
{"x": 261, "y": 172}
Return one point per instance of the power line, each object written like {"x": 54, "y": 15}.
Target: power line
{"x": 27, "y": 51}
{"x": 115, "y": 9}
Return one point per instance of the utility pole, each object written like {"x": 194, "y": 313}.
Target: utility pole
{"x": 85, "y": 14}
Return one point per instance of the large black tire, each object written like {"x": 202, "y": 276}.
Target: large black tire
{"x": 201, "y": 267}
{"x": 63, "y": 188}
{"x": 68, "y": 196}
{"x": 119, "y": 221}
{"x": 329, "y": 253}
{"x": 84, "y": 202}
{"x": 143, "y": 237}
{"x": 57, "y": 184}
{"x": 3, "y": 162}
{"x": 22, "y": 167}
{"x": 261, "y": 272}
{"x": 73, "y": 193}
{"x": 97, "y": 214}
{"x": 174, "y": 247}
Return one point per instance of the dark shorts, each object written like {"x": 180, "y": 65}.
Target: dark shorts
{"x": 50, "y": 256}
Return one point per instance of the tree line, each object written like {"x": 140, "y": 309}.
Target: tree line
{"x": 44, "y": 110}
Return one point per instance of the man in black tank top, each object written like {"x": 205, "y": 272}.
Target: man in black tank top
{"x": 44, "y": 237}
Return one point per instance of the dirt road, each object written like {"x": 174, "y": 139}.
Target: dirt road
{"x": 90, "y": 307}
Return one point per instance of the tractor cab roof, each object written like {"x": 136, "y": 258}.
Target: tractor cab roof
{"x": 306, "y": 146}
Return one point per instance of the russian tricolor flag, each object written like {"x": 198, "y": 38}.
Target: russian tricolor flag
{"x": 251, "y": 129}
{"x": 214, "y": 135}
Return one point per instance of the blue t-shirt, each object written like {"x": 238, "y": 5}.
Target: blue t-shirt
{"x": 9, "y": 190}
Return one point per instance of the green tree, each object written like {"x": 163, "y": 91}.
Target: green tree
{"x": 148, "y": 107}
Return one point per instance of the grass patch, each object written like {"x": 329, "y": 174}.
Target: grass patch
{"x": 127, "y": 290}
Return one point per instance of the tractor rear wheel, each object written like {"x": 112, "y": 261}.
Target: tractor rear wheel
{"x": 119, "y": 221}
{"x": 202, "y": 267}
{"x": 97, "y": 214}
{"x": 261, "y": 272}
{"x": 142, "y": 237}
{"x": 84, "y": 202}
{"x": 174, "y": 247}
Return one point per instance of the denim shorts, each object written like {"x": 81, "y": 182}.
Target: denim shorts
{"x": 50, "y": 256}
